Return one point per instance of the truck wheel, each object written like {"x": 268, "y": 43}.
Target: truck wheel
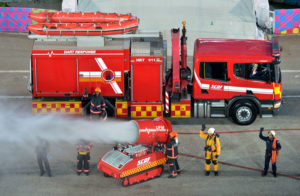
{"x": 243, "y": 113}
{"x": 106, "y": 175}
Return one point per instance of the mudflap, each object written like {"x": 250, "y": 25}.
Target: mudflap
{"x": 143, "y": 176}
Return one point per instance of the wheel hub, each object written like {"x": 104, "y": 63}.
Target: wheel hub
{"x": 244, "y": 114}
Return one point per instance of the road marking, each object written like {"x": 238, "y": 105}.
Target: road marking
{"x": 239, "y": 166}
{"x": 14, "y": 71}
{"x": 290, "y": 71}
{"x": 291, "y": 96}
{"x": 15, "y": 97}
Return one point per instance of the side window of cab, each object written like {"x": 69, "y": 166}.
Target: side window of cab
{"x": 214, "y": 71}
{"x": 252, "y": 71}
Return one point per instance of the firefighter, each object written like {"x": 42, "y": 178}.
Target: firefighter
{"x": 83, "y": 156}
{"x": 212, "y": 149}
{"x": 97, "y": 106}
{"x": 256, "y": 73}
{"x": 42, "y": 152}
{"x": 172, "y": 154}
{"x": 272, "y": 151}
{"x": 94, "y": 103}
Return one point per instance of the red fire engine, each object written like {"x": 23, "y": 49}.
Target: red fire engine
{"x": 230, "y": 77}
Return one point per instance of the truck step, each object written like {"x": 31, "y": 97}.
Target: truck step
{"x": 267, "y": 116}
{"x": 217, "y": 115}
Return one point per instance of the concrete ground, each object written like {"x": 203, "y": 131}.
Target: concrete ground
{"x": 19, "y": 171}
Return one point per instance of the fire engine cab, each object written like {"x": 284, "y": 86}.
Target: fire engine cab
{"x": 229, "y": 77}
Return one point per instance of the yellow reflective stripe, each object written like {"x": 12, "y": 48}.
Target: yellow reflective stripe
{"x": 143, "y": 167}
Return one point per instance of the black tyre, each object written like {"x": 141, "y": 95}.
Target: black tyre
{"x": 106, "y": 175}
{"x": 243, "y": 112}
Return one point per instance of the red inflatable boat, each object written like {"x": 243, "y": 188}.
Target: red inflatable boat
{"x": 78, "y": 17}
{"x": 84, "y": 29}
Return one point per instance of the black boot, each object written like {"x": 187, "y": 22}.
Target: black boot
{"x": 216, "y": 173}
{"x": 42, "y": 173}
{"x": 171, "y": 176}
{"x": 264, "y": 173}
{"x": 275, "y": 174}
{"x": 207, "y": 173}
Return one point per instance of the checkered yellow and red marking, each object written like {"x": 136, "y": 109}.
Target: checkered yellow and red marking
{"x": 65, "y": 107}
{"x": 146, "y": 111}
{"x": 121, "y": 109}
{"x": 143, "y": 167}
{"x": 181, "y": 110}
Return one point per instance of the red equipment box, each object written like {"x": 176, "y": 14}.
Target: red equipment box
{"x": 146, "y": 79}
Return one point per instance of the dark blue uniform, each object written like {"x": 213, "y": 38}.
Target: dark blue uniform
{"x": 42, "y": 150}
{"x": 172, "y": 155}
{"x": 268, "y": 154}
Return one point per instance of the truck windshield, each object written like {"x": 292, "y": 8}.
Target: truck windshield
{"x": 277, "y": 73}
{"x": 268, "y": 72}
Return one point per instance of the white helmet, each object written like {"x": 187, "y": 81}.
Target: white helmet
{"x": 272, "y": 133}
{"x": 211, "y": 130}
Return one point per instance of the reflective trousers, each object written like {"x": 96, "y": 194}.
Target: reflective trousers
{"x": 210, "y": 157}
{"x": 174, "y": 167}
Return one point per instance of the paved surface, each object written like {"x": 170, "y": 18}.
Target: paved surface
{"x": 19, "y": 171}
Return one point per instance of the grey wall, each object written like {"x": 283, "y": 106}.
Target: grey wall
{"x": 44, "y": 4}
{"x": 205, "y": 18}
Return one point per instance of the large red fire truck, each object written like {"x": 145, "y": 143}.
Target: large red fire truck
{"x": 133, "y": 76}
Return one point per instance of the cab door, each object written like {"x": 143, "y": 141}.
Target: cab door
{"x": 212, "y": 78}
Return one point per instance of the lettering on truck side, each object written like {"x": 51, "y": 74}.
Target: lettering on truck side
{"x": 140, "y": 60}
{"x": 216, "y": 87}
{"x": 154, "y": 60}
{"x": 143, "y": 161}
{"x": 79, "y": 51}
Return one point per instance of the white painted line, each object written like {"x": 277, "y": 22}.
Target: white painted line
{"x": 291, "y": 96}
{"x": 15, "y": 97}
{"x": 14, "y": 71}
{"x": 290, "y": 71}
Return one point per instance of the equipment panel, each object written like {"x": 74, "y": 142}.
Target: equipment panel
{"x": 146, "y": 79}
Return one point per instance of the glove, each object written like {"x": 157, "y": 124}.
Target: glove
{"x": 203, "y": 127}
{"x": 217, "y": 156}
{"x": 261, "y": 129}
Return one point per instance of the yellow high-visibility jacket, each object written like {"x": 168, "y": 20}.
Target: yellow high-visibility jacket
{"x": 210, "y": 141}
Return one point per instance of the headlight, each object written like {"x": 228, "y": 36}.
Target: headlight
{"x": 277, "y": 104}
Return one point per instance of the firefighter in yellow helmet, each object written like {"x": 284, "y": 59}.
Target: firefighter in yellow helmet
{"x": 212, "y": 149}
{"x": 172, "y": 154}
